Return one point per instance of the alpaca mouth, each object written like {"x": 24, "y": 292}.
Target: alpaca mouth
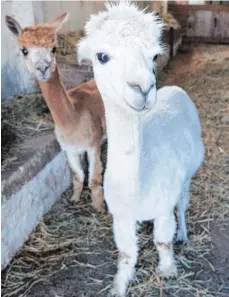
{"x": 137, "y": 109}
{"x": 43, "y": 78}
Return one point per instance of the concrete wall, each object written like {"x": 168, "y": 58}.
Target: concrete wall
{"x": 23, "y": 210}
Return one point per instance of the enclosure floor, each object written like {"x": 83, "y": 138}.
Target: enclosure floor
{"x": 71, "y": 253}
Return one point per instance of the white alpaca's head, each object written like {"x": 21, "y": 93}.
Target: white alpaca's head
{"x": 38, "y": 45}
{"x": 123, "y": 43}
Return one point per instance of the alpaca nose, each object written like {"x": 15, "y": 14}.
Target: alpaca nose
{"x": 144, "y": 90}
{"x": 43, "y": 70}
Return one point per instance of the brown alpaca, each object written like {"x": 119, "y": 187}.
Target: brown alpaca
{"x": 78, "y": 113}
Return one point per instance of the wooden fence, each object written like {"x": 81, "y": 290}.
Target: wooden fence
{"x": 208, "y": 23}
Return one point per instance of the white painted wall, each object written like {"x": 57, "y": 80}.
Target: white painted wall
{"x": 196, "y": 2}
{"x": 79, "y": 12}
{"x": 16, "y": 79}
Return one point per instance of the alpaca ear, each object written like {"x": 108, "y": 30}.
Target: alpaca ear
{"x": 83, "y": 51}
{"x": 59, "y": 21}
{"x": 13, "y": 25}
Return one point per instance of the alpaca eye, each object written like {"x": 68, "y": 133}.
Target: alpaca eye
{"x": 54, "y": 50}
{"x": 25, "y": 51}
{"x": 103, "y": 58}
{"x": 155, "y": 58}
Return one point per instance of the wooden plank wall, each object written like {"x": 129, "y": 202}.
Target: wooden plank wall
{"x": 79, "y": 11}
{"x": 208, "y": 23}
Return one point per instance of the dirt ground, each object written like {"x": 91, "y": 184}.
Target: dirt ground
{"x": 72, "y": 253}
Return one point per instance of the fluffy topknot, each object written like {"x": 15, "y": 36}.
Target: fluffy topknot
{"x": 122, "y": 24}
{"x": 42, "y": 35}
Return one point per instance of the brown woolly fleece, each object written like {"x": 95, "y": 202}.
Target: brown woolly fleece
{"x": 78, "y": 115}
{"x": 42, "y": 35}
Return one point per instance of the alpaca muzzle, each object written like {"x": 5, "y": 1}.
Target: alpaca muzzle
{"x": 143, "y": 98}
{"x": 43, "y": 72}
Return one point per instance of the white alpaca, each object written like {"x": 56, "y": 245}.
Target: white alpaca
{"x": 154, "y": 138}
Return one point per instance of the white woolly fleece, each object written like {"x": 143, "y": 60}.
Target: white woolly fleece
{"x": 122, "y": 25}
{"x": 154, "y": 137}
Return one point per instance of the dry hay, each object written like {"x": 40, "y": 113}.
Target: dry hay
{"x": 169, "y": 20}
{"x": 67, "y": 46}
{"x": 22, "y": 117}
{"x": 75, "y": 237}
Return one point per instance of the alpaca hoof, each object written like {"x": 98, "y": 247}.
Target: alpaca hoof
{"x": 179, "y": 242}
{"x": 108, "y": 217}
{"x": 181, "y": 237}
{"x": 119, "y": 287}
{"x": 75, "y": 198}
{"x": 99, "y": 206}
{"x": 97, "y": 199}
{"x": 113, "y": 293}
{"x": 167, "y": 272}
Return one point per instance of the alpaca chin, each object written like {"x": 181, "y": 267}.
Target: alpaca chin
{"x": 139, "y": 104}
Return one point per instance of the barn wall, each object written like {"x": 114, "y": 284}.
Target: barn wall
{"x": 207, "y": 23}
{"x": 79, "y": 12}
{"x": 16, "y": 79}
{"x": 196, "y": 2}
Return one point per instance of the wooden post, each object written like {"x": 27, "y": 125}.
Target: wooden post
{"x": 165, "y": 6}
{"x": 156, "y": 5}
{"x": 171, "y": 41}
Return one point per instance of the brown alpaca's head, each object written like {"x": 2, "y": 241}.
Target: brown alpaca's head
{"x": 38, "y": 45}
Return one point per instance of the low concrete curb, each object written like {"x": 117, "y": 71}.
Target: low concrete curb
{"x": 24, "y": 205}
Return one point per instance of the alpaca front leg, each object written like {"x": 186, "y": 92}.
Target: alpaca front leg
{"x": 165, "y": 227}
{"x": 95, "y": 179}
{"x": 126, "y": 242}
{"x": 77, "y": 174}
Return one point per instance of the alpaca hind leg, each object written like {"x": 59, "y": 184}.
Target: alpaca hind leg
{"x": 95, "y": 178}
{"x": 126, "y": 242}
{"x": 181, "y": 212}
{"x": 78, "y": 175}
{"x": 165, "y": 227}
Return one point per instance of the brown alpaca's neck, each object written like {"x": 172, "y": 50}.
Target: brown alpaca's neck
{"x": 57, "y": 100}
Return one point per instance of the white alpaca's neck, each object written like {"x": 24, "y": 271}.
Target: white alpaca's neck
{"x": 123, "y": 157}
{"x": 123, "y": 131}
